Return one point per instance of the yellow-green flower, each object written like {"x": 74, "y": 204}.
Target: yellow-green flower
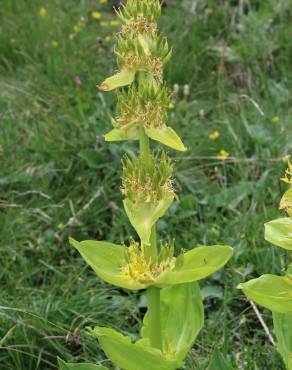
{"x": 214, "y": 135}
{"x": 115, "y": 22}
{"x": 77, "y": 28}
{"x": 42, "y": 11}
{"x": 54, "y": 43}
{"x": 276, "y": 119}
{"x": 104, "y": 24}
{"x": 102, "y": 2}
{"x": 223, "y": 155}
{"x": 96, "y": 15}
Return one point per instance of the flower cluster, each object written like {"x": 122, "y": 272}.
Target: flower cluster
{"x": 140, "y": 267}
{"x": 147, "y": 181}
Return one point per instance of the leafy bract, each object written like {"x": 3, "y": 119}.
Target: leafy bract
{"x": 123, "y": 78}
{"x": 197, "y": 264}
{"x": 79, "y": 366}
{"x": 283, "y": 330}
{"x": 279, "y": 232}
{"x": 271, "y": 291}
{"x": 132, "y": 356}
{"x": 144, "y": 215}
{"x": 167, "y": 136}
{"x": 120, "y": 134}
{"x": 109, "y": 261}
{"x": 106, "y": 259}
{"x": 182, "y": 318}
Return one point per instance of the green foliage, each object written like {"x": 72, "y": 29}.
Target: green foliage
{"x": 271, "y": 291}
{"x": 132, "y": 356}
{"x": 182, "y": 316}
{"x": 283, "y": 325}
{"x": 66, "y": 366}
{"x": 275, "y": 292}
{"x": 278, "y": 232}
{"x": 218, "y": 362}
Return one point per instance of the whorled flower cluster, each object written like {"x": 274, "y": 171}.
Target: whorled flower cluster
{"x": 147, "y": 181}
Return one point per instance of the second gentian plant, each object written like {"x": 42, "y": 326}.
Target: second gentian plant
{"x": 174, "y": 305}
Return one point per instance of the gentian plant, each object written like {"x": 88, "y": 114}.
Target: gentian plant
{"x": 275, "y": 292}
{"x": 175, "y": 310}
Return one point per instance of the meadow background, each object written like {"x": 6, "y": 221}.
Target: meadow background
{"x": 59, "y": 178}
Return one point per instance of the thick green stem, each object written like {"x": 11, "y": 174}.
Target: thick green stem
{"x": 153, "y": 293}
{"x": 153, "y": 299}
{"x": 144, "y": 144}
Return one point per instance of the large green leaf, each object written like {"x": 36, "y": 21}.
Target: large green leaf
{"x": 182, "y": 318}
{"x": 167, "y": 136}
{"x": 144, "y": 215}
{"x": 125, "y": 133}
{"x": 196, "y": 265}
{"x": 271, "y": 291}
{"x": 132, "y": 356}
{"x": 81, "y": 366}
{"x": 279, "y": 232}
{"x": 107, "y": 260}
{"x": 283, "y": 330}
{"x": 123, "y": 78}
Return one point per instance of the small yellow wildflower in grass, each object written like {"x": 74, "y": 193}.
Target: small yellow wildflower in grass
{"x": 104, "y": 24}
{"x": 77, "y": 28}
{"x": 96, "y": 15}
{"x": 115, "y": 22}
{"x": 214, "y": 230}
{"x": 276, "y": 119}
{"x": 214, "y": 135}
{"x": 54, "y": 43}
{"x": 108, "y": 38}
{"x": 223, "y": 155}
{"x": 243, "y": 91}
{"x": 42, "y": 12}
{"x": 103, "y": 1}
{"x": 171, "y": 106}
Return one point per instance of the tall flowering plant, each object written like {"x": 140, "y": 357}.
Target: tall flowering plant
{"x": 275, "y": 292}
{"x": 175, "y": 310}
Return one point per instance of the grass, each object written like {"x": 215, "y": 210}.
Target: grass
{"x": 54, "y": 161}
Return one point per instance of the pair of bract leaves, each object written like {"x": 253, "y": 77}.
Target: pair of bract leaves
{"x": 145, "y": 214}
{"x": 108, "y": 260}
{"x": 275, "y": 293}
{"x": 270, "y": 291}
{"x": 182, "y": 318}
